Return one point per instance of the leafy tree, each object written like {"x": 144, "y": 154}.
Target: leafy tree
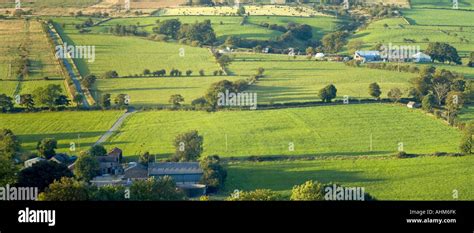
{"x": 105, "y": 101}
{"x": 443, "y": 52}
{"x": 161, "y": 189}
{"x": 333, "y": 42}
{"x": 189, "y": 146}
{"x": 8, "y": 171}
{"x": 214, "y": 175}
{"x": 111, "y": 74}
{"x": 146, "y": 72}
{"x": 66, "y": 189}
{"x": 309, "y": 191}
{"x": 241, "y": 11}
{"x": 97, "y": 150}
{"x": 86, "y": 167}
{"x": 199, "y": 31}
{"x": 47, "y": 147}
{"x": 145, "y": 158}
{"x": 395, "y": 94}
{"x": 224, "y": 60}
{"x": 62, "y": 100}
{"x": 212, "y": 95}
{"x": 328, "y": 93}
{"x": 121, "y": 100}
{"x": 301, "y": 31}
{"x": 466, "y": 141}
{"x": 168, "y": 27}
{"x": 355, "y": 45}
{"x": 48, "y": 95}
{"x": 78, "y": 99}
{"x": 374, "y": 90}
{"x": 88, "y": 81}
{"x": 9, "y": 144}
{"x": 176, "y": 100}
{"x": 6, "y": 103}
{"x": 257, "y": 195}
{"x": 42, "y": 174}
{"x": 27, "y": 101}
{"x": 428, "y": 102}
{"x": 108, "y": 193}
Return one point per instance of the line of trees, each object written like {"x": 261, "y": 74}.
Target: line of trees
{"x": 199, "y": 33}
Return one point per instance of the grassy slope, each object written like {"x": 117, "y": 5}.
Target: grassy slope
{"x": 289, "y": 80}
{"x": 331, "y": 131}
{"x": 447, "y": 4}
{"x": 427, "y": 178}
{"x": 64, "y": 126}
{"x": 149, "y": 92}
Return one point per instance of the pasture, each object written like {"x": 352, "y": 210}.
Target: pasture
{"x": 320, "y": 131}
{"x": 151, "y": 92}
{"x": 299, "y": 80}
{"x": 250, "y": 9}
{"x": 398, "y": 32}
{"x": 424, "y": 178}
{"x": 446, "y": 4}
{"x": 81, "y": 128}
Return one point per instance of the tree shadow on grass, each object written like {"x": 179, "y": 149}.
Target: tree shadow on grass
{"x": 285, "y": 176}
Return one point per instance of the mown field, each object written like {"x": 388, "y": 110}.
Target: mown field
{"x": 299, "y": 80}
{"x": 81, "y": 128}
{"x": 326, "y": 131}
{"x": 150, "y": 92}
{"x": 49, "y": 3}
{"x": 252, "y": 10}
{"x": 426, "y": 178}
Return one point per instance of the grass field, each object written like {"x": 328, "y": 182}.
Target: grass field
{"x": 447, "y": 4}
{"x": 149, "y": 92}
{"x": 426, "y": 178}
{"x": 398, "y": 30}
{"x": 290, "y": 80}
{"x": 82, "y": 128}
{"x": 252, "y": 10}
{"x": 49, "y": 3}
{"x": 131, "y": 55}
{"x": 325, "y": 131}
{"x": 27, "y": 87}
{"x": 442, "y": 17}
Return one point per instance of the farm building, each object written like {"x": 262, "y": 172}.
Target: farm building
{"x": 413, "y": 104}
{"x": 182, "y": 173}
{"x": 111, "y": 163}
{"x": 367, "y": 56}
{"x": 30, "y": 162}
{"x": 421, "y": 58}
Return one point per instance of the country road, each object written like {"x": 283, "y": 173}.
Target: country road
{"x": 115, "y": 126}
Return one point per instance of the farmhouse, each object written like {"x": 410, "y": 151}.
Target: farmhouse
{"x": 412, "y": 104}
{"x": 421, "y": 58}
{"x": 111, "y": 163}
{"x": 30, "y": 162}
{"x": 367, "y": 56}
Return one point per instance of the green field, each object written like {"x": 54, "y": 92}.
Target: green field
{"x": 398, "y": 30}
{"x": 131, "y": 55}
{"x": 426, "y": 178}
{"x": 290, "y": 80}
{"x": 325, "y": 131}
{"x": 447, "y": 4}
{"x": 81, "y": 128}
{"x": 149, "y": 92}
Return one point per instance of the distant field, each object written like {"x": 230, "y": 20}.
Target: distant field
{"x": 325, "y": 131}
{"x": 398, "y": 30}
{"x": 131, "y": 55}
{"x": 447, "y": 4}
{"x": 289, "y": 80}
{"x": 10, "y": 33}
{"x": 82, "y": 128}
{"x": 151, "y": 92}
{"x": 224, "y": 26}
{"x": 442, "y": 17}
{"x": 252, "y": 10}
{"x": 428, "y": 178}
